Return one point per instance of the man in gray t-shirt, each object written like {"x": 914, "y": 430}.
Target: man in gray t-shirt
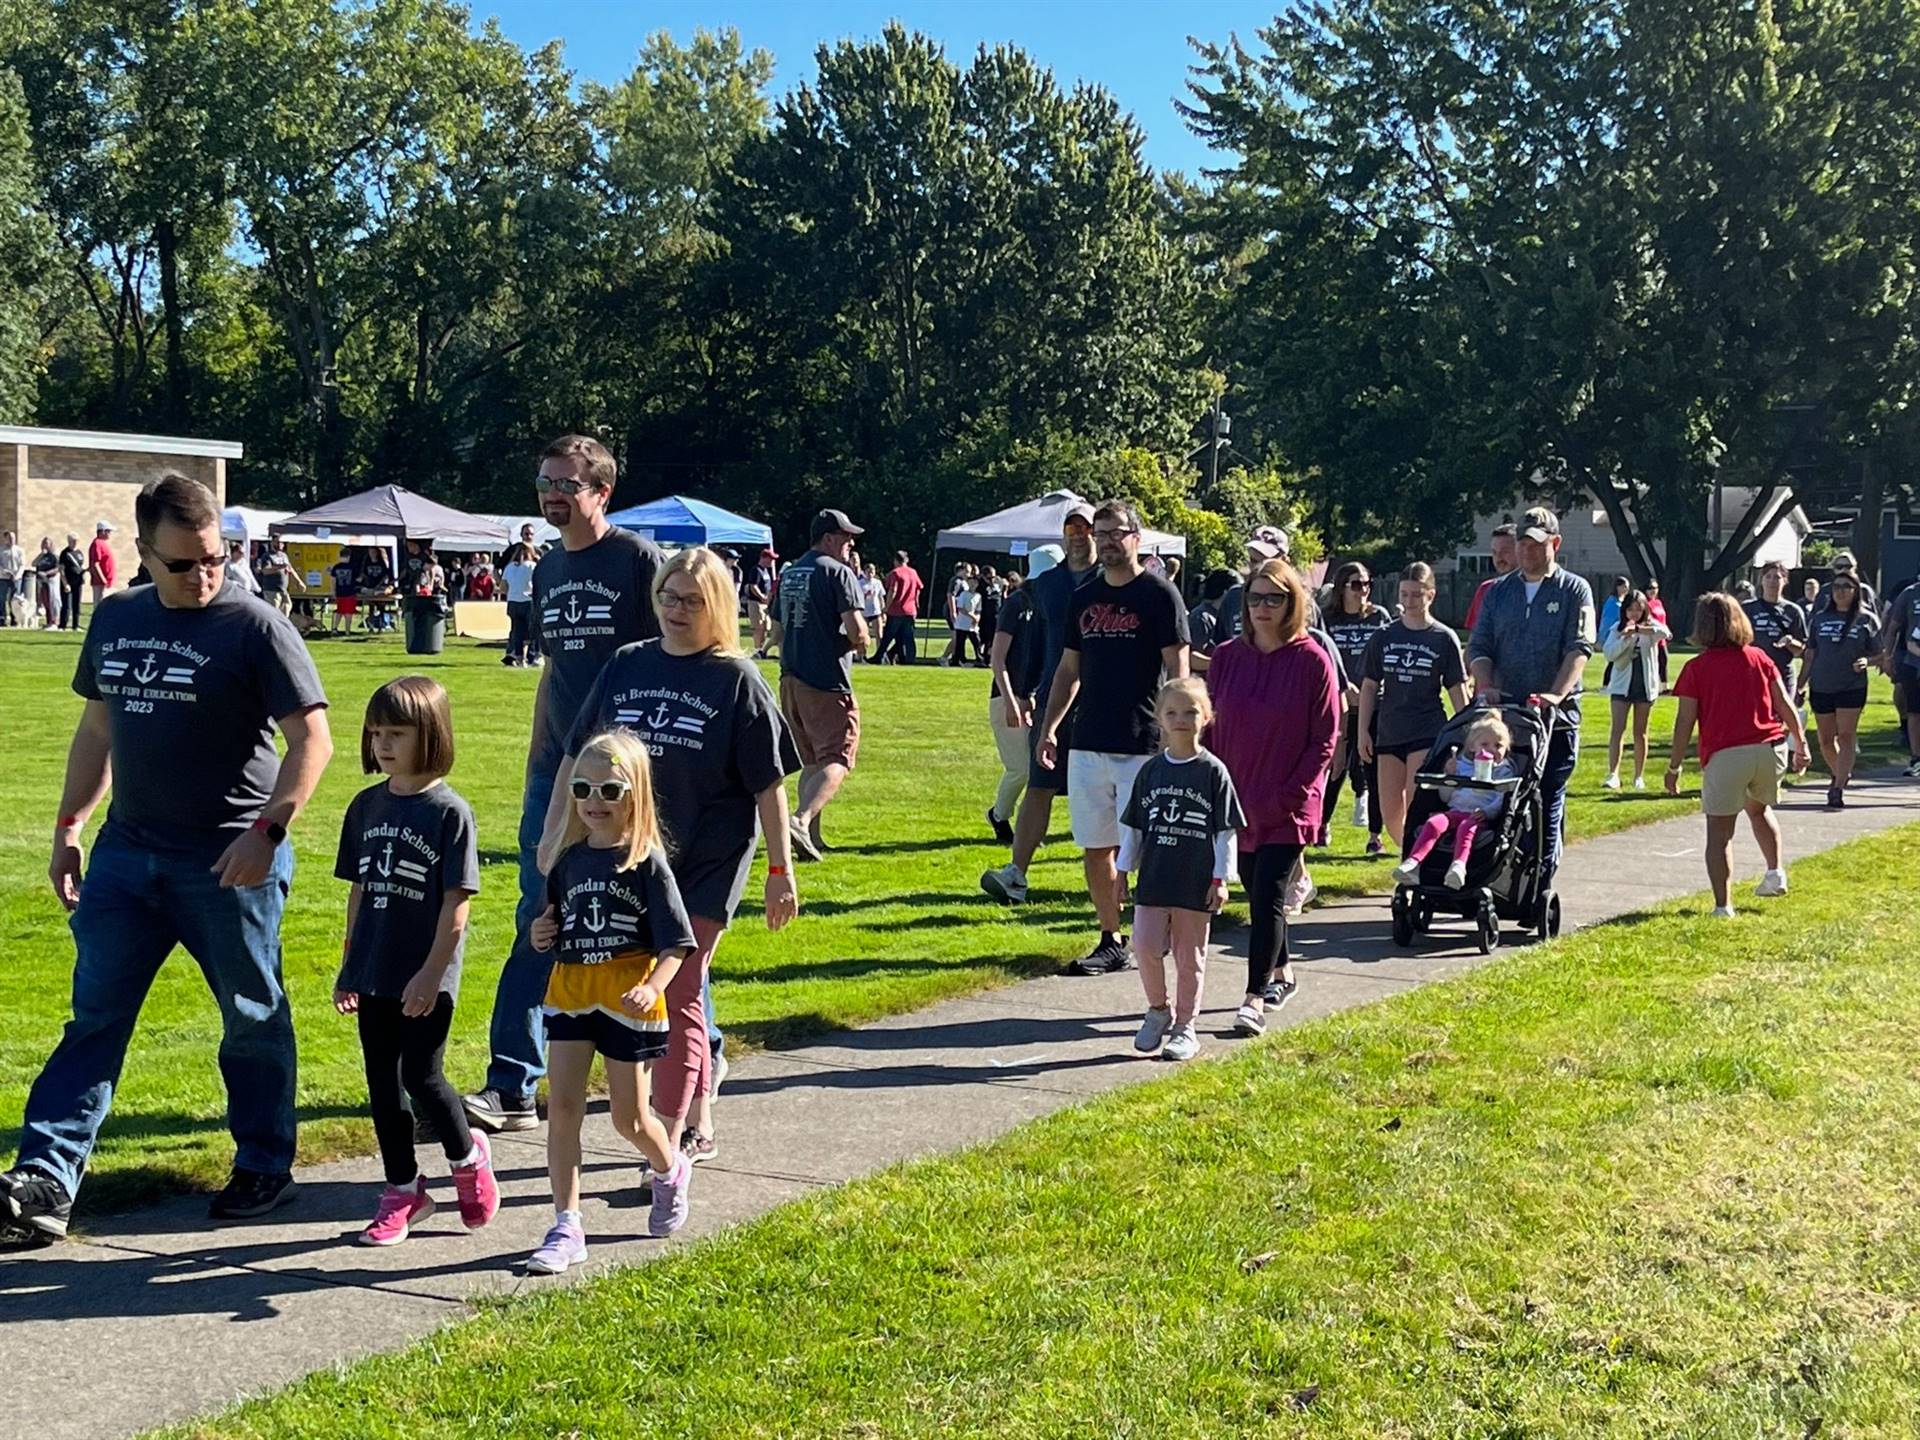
{"x": 819, "y": 625}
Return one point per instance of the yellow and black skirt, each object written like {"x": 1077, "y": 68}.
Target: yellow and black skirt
{"x": 583, "y": 1003}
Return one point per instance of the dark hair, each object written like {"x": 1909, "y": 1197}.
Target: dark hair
{"x": 1120, "y": 510}
{"x": 1622, "y": 580}
{"x": 1347, "y": 571}
{"x": 1852, "y": 582}
{"x": 901, "y": 556}
{"x": 1217, "y": 584}
{"x": 174, "y": 500}
{"x": 1631, "y": 599}
{"x": 1719, "y": 623}
{"x": 597, "y": 467}
{"x": 419, "y": 702}
{"x": 1504, "y": 532}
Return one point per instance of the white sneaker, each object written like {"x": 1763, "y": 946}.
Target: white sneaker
{"x": 1008, "y": 884}
{"x": 1456, "y": 876}
{"x": 1153, "y": 1030}
{"x": 1612, "y": 782}
{"x": 1360, "y": 810}
{"x": 1182, "y": 1044}
{"x": 1406, "y": 872}
{"x": 1774, "y": 882}
{"x": 1912, "y": 771}
{"x": 1639, "y": 782}
{"x": 1723, "y": 912}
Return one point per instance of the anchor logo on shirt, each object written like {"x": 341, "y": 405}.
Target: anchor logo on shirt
{"x": 147, "y": 670}
{"x": 595, "y": 920}
{"x": 386, "y": 860}
{"x": 573, "y": 610}
{"x": 659, "y": 715}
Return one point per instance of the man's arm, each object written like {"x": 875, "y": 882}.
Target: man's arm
{"x": 1173, "y": 660}
{"x": 89, "y": 773}
{"x": 555, "y": 824}
{"x": 854, "y": 626}
{"x": 539, "y": 717}
{"x": 1066, "y": 685}
{"x": 1572, "y": 665}
{"x": 249, "y": 859}
{"x": 1014, "y": 704}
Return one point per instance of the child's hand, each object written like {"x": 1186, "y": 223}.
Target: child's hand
{"x": 783, "y": 900}
{"x": 1861, "y": 663}
{"x": 421, "y": 995}
{"x": 346, "y": 1001}
{"x": 1217, "y": 896}
{"x": 544, "y": 931}
{"x": 639, "y": 1000}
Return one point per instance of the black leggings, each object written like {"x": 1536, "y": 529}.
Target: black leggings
{"x": 1369, "y": 773}
{"x": 1264, "y": 873}
{"x": 405, "y": 1053}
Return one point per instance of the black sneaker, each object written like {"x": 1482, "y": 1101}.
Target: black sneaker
{"x": 802, "y": 843}
{"x": 1834, "y": 802}
{"x": 495, "y": 1112}
{"x": 250, "y": 1194}
{"x": 1108, "y": 957}
{"x": 33, "y": 1202}
{"x": 1279, "y": 992}
{"x": 1002, "y": 831}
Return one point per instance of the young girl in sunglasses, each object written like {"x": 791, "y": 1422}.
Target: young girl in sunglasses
{"x": 618, "y": 932}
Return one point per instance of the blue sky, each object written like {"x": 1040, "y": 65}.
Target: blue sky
{"x": 1137, "y": 49}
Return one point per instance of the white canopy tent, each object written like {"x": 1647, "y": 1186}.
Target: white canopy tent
{"x": 1017, "y": 530}
{"x": 543, "y": 533}
{"x": 243, "y": 522}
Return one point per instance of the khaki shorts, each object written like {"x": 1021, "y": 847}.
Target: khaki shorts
{"x": 825, "y": 723}
{"x": 1738, "y": 777}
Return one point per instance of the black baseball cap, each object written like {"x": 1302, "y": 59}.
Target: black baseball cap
{"x": 1539, "y": 524}
{"x": 830, "y": 522}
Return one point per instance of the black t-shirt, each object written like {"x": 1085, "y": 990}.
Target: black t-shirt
{"x": 1178, "y": 806}
{"x": 1412, "y": 669}
{"x": 1775, "y": 621}
{"x": 605, "y": 911}
{"x": 192, "y": 696}
{"x": 1053, "y": 594}
{"x": 1017, "y": 623}
{"x": 717, "y": 740}
{"x": 346, "y": 580}
{"x": 815, "y": 592}
{"x": 406, "y": 852}
{"x": 1119, "y": 632}
{"x": 1203, "y": 627}
{"x": 1353, "y": 633}
{"x": 586, "y": 605}
{"x": 73, "y": 566}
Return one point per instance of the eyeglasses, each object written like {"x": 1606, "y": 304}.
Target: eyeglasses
{"x": 672, "y": 600}
{"x": 605, "y": 790}
{"x": 544, "y": 483}
{"x": 1118, "y": 532}
{"x": 1359, "y": 584}
{"x": 1268, "y": 601}
{"x": 209, "y": 563}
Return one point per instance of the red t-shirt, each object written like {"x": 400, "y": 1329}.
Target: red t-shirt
{"x": 100, "y": 557}
{"x": 1733, "y": 687}
{"x": 903, "y": 591}
{"x": 1479, "y": 594}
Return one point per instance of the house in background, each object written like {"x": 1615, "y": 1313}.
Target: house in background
{"x": 60, "y": 482}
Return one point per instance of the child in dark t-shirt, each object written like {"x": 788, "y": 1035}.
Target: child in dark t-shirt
{"x": 1177, "y": 841}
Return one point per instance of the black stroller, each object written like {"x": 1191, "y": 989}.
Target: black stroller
{"x": 1504, "y": 881}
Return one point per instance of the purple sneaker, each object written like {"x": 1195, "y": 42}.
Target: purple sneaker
{"x": 565, "y": 1245}
{"x": 670, "y": 1198}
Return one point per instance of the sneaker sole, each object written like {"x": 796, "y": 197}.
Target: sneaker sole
{"x": 1241, "y": 1027}
{"x": 995, "y": 888}
{"x": 497, "y": 1124}
{"x": 561, "y": 1269}
{"x": 45, "y": 1229}
{"x": 254, "y": 1212}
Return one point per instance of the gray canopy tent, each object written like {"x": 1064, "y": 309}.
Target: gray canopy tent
{"x": 394, "y": 513}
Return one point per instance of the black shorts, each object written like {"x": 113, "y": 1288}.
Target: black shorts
{"x": 1910, "y": 691}
{"x": 1039, "y": 777}
{"x": 1404, "y": 752}
{"x": 1825, "y": 702}
{"x": 613, "y": 1040}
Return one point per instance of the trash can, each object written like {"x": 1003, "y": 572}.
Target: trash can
{"x": 426, "y": 617}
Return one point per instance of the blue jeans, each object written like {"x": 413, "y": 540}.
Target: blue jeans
{"x": 716, "y": 1042}
{"x": 135, "y": 906}
{"x": 519, "y": 1030}
{"x": 1563, "y": 753}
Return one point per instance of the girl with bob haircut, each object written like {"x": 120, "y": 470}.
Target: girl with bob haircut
{"x": 408, "y": 850}
{"x": 617, "y": 931}
{"x": 1733, "y": 690}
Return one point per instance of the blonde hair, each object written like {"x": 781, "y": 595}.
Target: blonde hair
{"x": 419, "y": 702}
{"x": 720, "y": 613}
{"x": 1193, "y": 689}
{"x": 626, "y": 759}
{"x": 1294, "y": 615}
{"x": 1495, "y": 728}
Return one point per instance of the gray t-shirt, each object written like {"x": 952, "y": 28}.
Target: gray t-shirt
{"x": 717, "y": 740}
{"x": 407, "y": 853}
{"x": 815, "y": 592}
{"x": 604, "y": 911}
{"x": 1179, "y": 806}
{"x": 1412, "y": 668}
{"x": 1775, "y": 622}
{"x": 586, "y": 605}
{"x": 192, "y": 696}
{"x": 1838, "y": 640}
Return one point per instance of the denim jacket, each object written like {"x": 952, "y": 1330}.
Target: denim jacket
{"x": 1528, "y": 640}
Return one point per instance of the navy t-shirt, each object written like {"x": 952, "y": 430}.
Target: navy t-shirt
{"x": 815, "y": 592}
{"x": 406, "y": 852}
{"x": 605, "y": 911}
{"x": 586, "y": 605}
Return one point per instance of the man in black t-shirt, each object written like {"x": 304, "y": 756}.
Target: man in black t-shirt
{"x": 186, "y": 682}
{"x": 819, "y": 625}
{"x": 1779, "y": 625}
{"x": 1126, "y": 632}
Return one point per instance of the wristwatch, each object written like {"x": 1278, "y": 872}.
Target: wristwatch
{"x": 271, "y": 829}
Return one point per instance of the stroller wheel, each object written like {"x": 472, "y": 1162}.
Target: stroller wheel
{"x": 1488, "y": 932}
{"x": 1546, "y": 922}
{"x": 1422, "y": 916}
{"x": 1403, "y": 924}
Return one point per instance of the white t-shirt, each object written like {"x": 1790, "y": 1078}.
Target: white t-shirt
{"x": 518, "y": 576}
{"x": 1533, "y": 589}
{"x": 873, "y": 591}
{"x": 966, "y": 605}
{"x": 12, "y": 561}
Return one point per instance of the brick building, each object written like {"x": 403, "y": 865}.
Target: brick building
{"x": 53, "y": 482}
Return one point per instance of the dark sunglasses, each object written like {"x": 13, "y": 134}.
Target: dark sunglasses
{"x": 605, "y": 790}
{"x": 1274, "y": 601}
{"x": 544, "y": 483}
{"x": 1358, "y": 585}
{"x": 181, "y": 567}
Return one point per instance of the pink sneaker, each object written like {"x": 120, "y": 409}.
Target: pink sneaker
{"x": 479, "y": 1192}
{"x": 398, "y": 1212}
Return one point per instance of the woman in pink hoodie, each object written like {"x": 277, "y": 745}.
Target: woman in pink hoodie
{"x": 1276, "y": 713}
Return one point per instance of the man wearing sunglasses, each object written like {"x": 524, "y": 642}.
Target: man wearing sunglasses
{"x": 185, "y": 681}
{"x": 592, "y": 593}
{"x": 1126, "y": 632}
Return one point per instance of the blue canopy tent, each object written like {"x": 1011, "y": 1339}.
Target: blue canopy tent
{"x": 679, "y": 520}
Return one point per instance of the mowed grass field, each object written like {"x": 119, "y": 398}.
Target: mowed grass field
{"x": 1653, "y": 1179}
{"x": 892, "y": 920}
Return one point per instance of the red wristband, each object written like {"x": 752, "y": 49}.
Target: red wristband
{"x": 776, "y": 869}
{"x": 68, "y": 822}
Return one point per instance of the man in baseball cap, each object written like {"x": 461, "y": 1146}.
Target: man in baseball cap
{"x": 819, "y": 625}
{"x": 1531, "y": 640}
{"x": 1267, "y": 542}
{"x": 100, "y": 562}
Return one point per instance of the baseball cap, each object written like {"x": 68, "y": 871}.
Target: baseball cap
{"x": 103, "y": 525}
{"x": 1269, "y": 542}
{"x": 1539, "y": 524}
{"x": 1844, "y": 561}
{"x": 1043, "y": 558}
{"x": 1077, "y": 510}
{"x": 829, "y": 522}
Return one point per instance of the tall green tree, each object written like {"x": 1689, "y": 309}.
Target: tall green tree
{"x": 26, "y": 258}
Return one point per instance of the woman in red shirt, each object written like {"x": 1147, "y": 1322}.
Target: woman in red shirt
{"x": 1275, "y": 716}
{"x": 1733, "y": 690}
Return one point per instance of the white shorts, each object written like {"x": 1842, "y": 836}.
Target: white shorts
{"x": 1098, "y": 788}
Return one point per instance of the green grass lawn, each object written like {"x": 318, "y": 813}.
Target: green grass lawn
{"x": 1653, "y": 1179}
{"x": 892, "y": 921}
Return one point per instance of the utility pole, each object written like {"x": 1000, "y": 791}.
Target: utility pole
{"x": 1220, "y": 427}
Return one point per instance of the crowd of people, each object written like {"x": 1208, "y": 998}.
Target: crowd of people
{"x": 49, "y": 590}
{"x": 1197, "y": 750}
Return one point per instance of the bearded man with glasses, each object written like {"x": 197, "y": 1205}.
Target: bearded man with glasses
{"x": 592, "y": 593}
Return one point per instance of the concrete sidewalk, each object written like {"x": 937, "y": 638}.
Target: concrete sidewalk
{"x": 156, "y": 1317}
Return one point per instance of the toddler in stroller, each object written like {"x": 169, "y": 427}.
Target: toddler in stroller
{"x": 1482, "y": 757}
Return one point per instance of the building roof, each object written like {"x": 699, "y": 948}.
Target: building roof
{"x": 116, "y": 440}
